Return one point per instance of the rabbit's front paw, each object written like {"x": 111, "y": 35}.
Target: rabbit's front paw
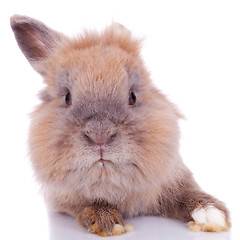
{"x": 209, "y": 219}
{"x": 103, "y": 220}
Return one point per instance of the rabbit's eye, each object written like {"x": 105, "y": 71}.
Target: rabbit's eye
{"x": 132, "y": 98}
{"x": 68, "y": 99}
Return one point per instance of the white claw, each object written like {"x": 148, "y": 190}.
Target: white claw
{"x": 128, "y": 227}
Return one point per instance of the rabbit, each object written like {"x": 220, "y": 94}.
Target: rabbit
{"x": 104, "y": 141}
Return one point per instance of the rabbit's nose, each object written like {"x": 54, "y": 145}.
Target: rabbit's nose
{"x": 95, "y": 139}
{"x": 99, "y": 131}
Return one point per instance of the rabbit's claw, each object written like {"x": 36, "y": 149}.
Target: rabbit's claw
{"x": 118, "y": 229}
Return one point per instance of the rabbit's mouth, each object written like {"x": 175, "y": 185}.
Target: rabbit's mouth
{"x": 102, "y": 162}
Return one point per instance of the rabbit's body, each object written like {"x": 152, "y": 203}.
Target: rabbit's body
{"x": 104, "y": 142}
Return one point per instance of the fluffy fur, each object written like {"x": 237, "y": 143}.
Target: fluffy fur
{"x": 91, "y": 150}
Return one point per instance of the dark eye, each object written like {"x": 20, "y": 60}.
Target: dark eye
{"x": 68, "y": 99}
{"x": 132, "y": 98}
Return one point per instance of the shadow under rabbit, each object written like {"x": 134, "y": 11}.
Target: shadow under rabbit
{"x": 64, "y": 227}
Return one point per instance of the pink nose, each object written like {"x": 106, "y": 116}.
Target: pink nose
{"x": 100, "y": 143}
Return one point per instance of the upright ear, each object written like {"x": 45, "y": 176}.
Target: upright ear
{"x": 35, "y": 39}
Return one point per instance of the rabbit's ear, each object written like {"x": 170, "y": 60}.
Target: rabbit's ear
{"x": 121, "y": 28}
{"x": 35, "y": 39}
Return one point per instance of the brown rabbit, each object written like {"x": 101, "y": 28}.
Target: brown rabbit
{"x": 104, "y": 142}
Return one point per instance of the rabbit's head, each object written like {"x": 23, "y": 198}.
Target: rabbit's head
{"x": 102, "y": 128}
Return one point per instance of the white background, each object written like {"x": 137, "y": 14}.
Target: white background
{"x": 192, "y": 49}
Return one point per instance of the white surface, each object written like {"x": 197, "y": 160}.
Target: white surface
{"x": 192, "y": 49}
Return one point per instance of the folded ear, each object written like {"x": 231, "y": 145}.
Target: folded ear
{"x": 35, "y": 39}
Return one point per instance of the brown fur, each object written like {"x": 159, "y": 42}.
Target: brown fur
{"x": 143, "y": 172}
